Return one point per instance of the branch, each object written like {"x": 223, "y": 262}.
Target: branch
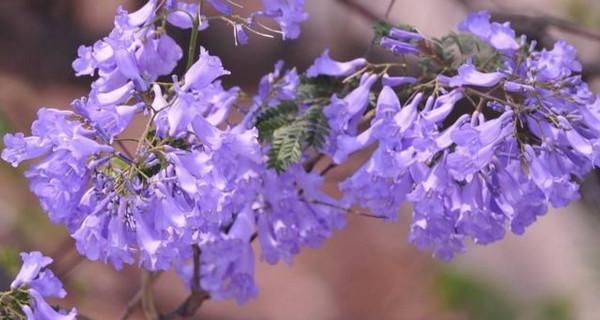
{"x": 135, "y": 301}
{"x": 389, "y": 9}
{"x": 359, "y": 9}
{"x": 195, "y": 300}
{"x": 543, "y": 22}
{"x": 147, "y": 298}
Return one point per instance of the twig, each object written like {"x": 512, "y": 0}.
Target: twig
{"x": 63, "y": 249}
{"x": 196, "y": 275}
{"x": 359, "y": 9}
{"x": 72, "y": 264}
{"x": 195, "y": 300}
{"x": 124, "y": 148}
{"x": 389, "y": 9}
{"x": 543, "y": 22}
{"x": 194, "y": 38}
{"x": 135, "y": 301}
{"x": 189, "y": 307}
{"x": 329, "y": 167}
{"x": 132, "y": 304}
{"x": 148, "y": 304}
{"x": 349, "y": 210}
{"x": 312, "y": 163}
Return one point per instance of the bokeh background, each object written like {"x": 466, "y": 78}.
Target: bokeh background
{"x": 368, "y": 270}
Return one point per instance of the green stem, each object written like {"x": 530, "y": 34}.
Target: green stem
{"x": 194, "y": 39}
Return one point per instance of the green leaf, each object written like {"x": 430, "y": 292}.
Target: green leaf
{"x": 289, "y": 141}
{"x": 320, "y": 87}
{"x": 10, "y": 260}
{"x": 274, "y": 118}
{"x": 286, "y": 147}
{"x": 317, "y": 127}
{"x": 382, "y": 29}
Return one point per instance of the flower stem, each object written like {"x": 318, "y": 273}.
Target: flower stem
{"x": 194, "y": 39}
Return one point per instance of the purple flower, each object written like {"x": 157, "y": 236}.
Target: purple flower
{"x": 388, "y": 106}
{"x": 433, "y": 222}
{"x": 222, "y": 6}
{"x": 555, "y": 64}
{"x": 276, "y": 87}
{"x": 442, "y": 107}
{"x": 182, "y": 15}
{"x": 41, "y": 310}
{"x": 240, "y": 34}
{"x": 398, "y": 47}
{"x": 324, "y": 65}
{"x": 158, "y": 56}
{"x": 19, "y": 148}
{"x": 476, "y": 146}
{"x": 401, "y": 42}
{"x": 499, "y": 35}
{"x": 288, "y": 14}
{"x": 345, "y": 114}
{"x": 288, "y": 220}
{"x": 40, "y": 282}
{"x": 33, "y": 263}
{"x": 401, "y": 34}
{"x": 468, "y": 75}
{"x": 397, "y": 81}
{"x": 202, "y": 73}
{"x": 227, "y": 269}
{"x": 125, "y": 20}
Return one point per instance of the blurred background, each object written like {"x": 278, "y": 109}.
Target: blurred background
{"x": 367, "y": 271}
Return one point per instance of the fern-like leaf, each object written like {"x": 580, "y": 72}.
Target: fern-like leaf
{"x": 274, "y": 118}
{"x": 288, "y": 142}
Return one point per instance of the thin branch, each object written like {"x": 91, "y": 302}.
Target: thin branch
{"x": 196, "y": 275}
{"x": 359, "y": 9}
{"x": 543, "y": 22}
{"x": 349, "y": 210}
{"x": 71, "y": 265}
{"x": 312, "y": 163}
{"x": 329, "y": 167}
{"x": 132, "y": 304}
{"x": 121, "y": 144}
{"x": 136, "y": 299}
{"x": 148, "y": 304}
{"x": 198, "y": 296}
{"x": 389, "y": 9}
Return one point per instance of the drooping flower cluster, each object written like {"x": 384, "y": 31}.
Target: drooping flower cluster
{"x": 192, "y": 181}
{"x": 33, "y": 283}
{"x": 475, "y": 145}
{"x": 528, "y": 140}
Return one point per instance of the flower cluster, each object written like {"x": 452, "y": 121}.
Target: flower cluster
{"x": 530, "y": 138}
{"x": 33, "y": 283}
{"x": 194, "y": 181}
{"x": 482, "y": 140}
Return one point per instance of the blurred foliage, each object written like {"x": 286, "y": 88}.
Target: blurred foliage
{"x": 585, "y": 12}
{"x": 553, "y": 309}
{"x": 9, "y": 260}
{"x": 4, "y": 125}
{"x": 478, "y": 299}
